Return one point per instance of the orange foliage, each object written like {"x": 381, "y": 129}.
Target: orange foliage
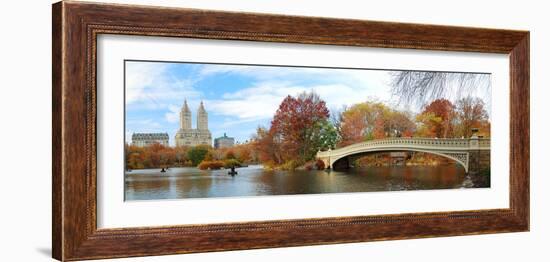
{"x": 442, "y": 109}
{"x": 216, "y": 164}
{"x": 352, "y": 128}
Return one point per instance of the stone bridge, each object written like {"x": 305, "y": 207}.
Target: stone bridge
{"x": 472, "y": 153}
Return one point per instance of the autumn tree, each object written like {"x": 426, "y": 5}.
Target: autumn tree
{"x": 159, "y": 156}
{"x": 181, "y": 156}
{"x": 135, "y": 157}
{"x": 359, "y": 122}
{"x": 373, "y": 120}
{"x": 400, "y": 124}
{"x": 428, "y": 125}
{"x": 379, "y": 129}
{"x": 151, "y": 156}
{"x": 268, "y": 146}
{"x": 438, "y": 117}
{"x": 484, "y": 129}
{"x": 230, "y": 154}
{"x": 296, "y": 126}
{"x": 244, "y": 153}
{"x": 471, "y": 113}
{"x": 353, "y": 127}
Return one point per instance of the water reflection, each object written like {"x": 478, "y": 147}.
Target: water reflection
{"x": 179, "y": 183}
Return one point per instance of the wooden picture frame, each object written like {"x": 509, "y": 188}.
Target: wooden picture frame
{"x": 76, "y": 26}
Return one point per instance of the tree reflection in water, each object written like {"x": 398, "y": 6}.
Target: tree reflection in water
{"x": 179, "y": 183}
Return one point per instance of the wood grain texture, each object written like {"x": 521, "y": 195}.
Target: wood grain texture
{"x": 76, "y": 26}
{"x": 57, "y": 192}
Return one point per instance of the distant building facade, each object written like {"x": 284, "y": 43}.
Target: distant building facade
{"x": 146, "y": 139}
{"x": 186, "y": 135}
{"x": 224, "y": 141}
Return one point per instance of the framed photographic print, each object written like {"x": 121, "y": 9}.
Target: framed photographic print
{"x": 181, "y": 130}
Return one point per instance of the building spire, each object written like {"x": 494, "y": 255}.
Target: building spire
{"x": 201, "y": 107}
{"x": 185, "y": 106}
{"x": 202, "y": 118}
{"x": 185, "y": 116}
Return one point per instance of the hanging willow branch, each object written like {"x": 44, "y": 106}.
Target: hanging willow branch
{"x": 420, "y": 87}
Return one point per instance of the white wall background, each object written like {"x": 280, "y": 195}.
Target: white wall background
{"x": 25, "y": 147}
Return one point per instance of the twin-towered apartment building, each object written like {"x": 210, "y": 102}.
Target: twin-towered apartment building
{"x": 186, "y": 134}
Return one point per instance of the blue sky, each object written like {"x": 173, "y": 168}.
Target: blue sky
{"x": 238, "y": 98}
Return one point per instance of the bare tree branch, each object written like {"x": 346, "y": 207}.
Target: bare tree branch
{"x": 420, "y": 87}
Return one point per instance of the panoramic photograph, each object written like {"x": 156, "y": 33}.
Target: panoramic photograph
{"x": 206, "y": 130}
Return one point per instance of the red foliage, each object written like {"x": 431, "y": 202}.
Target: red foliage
{"x": 294, "y": 120}
{"x": 445, "y": 110}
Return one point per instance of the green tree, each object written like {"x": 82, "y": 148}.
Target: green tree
{"x": 324, "y": 135}
{"x": 197, "y": 154}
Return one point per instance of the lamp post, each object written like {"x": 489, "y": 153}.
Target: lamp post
{"x": 474, "y": 145}
{"x": 329, "y": 166}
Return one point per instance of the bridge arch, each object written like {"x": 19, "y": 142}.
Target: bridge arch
{"x": 472, "y": 154}
{"x": 460, "y": 158}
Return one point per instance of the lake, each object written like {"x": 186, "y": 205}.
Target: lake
{"x": 188, "y": 182}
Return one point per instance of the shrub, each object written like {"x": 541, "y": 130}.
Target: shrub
{"x": 320, "y": 164}
{"x": 231, "y": 162}
{"x": 210, "y": 165}
{"x": 290, "y": 165}
{"x": 309, "y": 166}
{"x": 269, "y": 165}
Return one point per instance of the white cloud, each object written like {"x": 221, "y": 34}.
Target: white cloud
{"x": 173, "y": 114}
{"x": 152, "y": 85}
{"x": 262, "y": 100}
{"x": 144, "y": 126}
{"x": 139, "y": 76}
{"x": 252, "y": 103}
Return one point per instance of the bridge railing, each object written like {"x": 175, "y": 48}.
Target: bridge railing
{"x": 485, "y": 142}
{"x": 453, "y": 143}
